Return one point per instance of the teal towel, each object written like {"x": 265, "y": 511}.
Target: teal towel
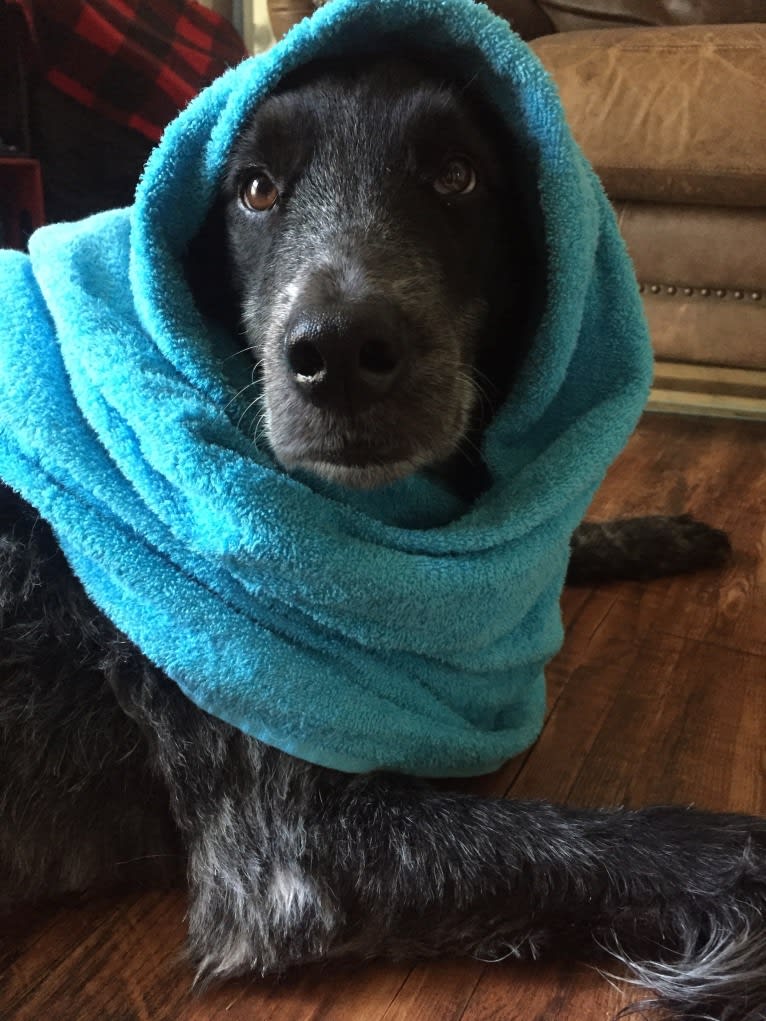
{"x": 389, "y": 629}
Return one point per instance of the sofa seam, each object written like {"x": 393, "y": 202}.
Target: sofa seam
{"x": 712, "y": 172}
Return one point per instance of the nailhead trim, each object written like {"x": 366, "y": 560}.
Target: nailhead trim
{"x": 704, "y": 292}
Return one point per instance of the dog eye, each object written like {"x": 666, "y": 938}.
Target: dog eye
{"x": 456, "y": 177}
{"x": 259, "y": 193}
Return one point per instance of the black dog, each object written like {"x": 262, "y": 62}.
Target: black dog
{"x": 372, "y": 227}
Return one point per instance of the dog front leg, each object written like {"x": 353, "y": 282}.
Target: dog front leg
{"x": 328, "y": 866}
{"x": 290, "y": 863}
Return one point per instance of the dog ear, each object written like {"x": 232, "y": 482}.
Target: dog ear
{"x": 209, "y": 271}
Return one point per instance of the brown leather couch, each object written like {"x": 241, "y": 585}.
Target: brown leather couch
{"x": 668, "y": 100}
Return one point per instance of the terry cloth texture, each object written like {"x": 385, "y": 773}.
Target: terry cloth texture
{"x": 388, "y": 629}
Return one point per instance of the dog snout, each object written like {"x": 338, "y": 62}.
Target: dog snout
{"x": 347, "y": 359}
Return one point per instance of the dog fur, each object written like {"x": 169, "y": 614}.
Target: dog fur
{"x": 109, "y": 774}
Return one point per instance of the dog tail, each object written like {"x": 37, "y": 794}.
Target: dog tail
{"x": 643, "y": 548}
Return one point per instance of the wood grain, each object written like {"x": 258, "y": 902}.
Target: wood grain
{"x": 659, "y": 695}
{"x": 691, "y": 389}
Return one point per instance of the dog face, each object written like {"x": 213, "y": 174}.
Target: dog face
{"x": 376, "y": 243}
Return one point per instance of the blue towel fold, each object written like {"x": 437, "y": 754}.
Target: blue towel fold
{"x": 389, "y": 629}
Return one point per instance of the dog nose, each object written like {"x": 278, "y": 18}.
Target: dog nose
{"x": 346, "y": 360}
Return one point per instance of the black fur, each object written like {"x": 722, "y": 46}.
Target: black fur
{"x": 288, "y": 862}
{"x": 644, "y": 548}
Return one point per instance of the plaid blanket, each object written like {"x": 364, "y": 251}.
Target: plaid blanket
{"x": 137, "y": 62}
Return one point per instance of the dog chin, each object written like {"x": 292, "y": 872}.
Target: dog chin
{"x": 358, "y": 476}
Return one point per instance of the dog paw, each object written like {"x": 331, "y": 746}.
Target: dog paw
{"x": 696, "y": 544}
{"x": 716, "y": 978}
{"x": 709, "y": 958}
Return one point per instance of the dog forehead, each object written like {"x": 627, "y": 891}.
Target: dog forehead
{"x": 376, "y": 111}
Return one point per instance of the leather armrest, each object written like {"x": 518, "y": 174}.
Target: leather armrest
{"x": 668, "y": 114}
{"x": 575, "y": 15}
{"x": 526, "y": 16}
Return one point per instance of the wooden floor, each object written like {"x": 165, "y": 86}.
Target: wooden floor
{"x": 658, "y": 696}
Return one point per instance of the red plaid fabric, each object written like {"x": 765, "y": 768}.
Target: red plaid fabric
{"x": 137, "y": 62}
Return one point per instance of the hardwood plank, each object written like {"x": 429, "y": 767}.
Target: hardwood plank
{"x": 96, "y": 962}
{"x": 440, "y": 989}
{"x": 542, "y": 992}
{"x": 650, "y": 717}
{"x": 342, "y": 993}
{"x": 717, "y": 471}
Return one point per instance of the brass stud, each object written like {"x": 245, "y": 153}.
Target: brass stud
{"x": 704, "y": 291}
{"x": 739, "y": 295}
{"x": 688, "y": 291}
{"x": 655, "y": 288}
{"x": 720, "y": 293}
{"x": 756, "y": 295}
{"x": 671, "y": 289}
{"x": 641, "y": 288}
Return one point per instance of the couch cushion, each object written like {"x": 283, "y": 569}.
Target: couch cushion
{"x": 531, "y": 18}
{"x": 706, "y": 332}
{"x": 668, "y": 114}
{"x": 527, "y": 17}
{"x": 713, "y": 247}
{"x": 580, "y": 14}
{"x": 702, "y": 271}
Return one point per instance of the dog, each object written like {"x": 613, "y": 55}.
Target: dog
{"x": 365, "y": 231}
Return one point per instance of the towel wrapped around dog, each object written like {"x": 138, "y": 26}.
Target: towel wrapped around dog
{"x": 394, "y": 628}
